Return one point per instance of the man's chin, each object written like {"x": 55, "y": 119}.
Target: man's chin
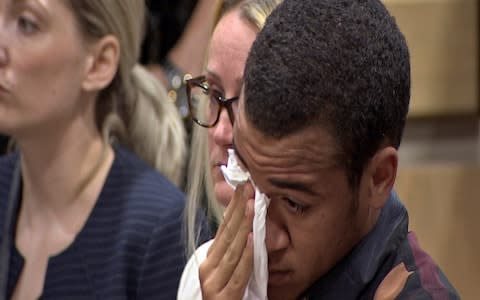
{"x": 281, "y": 293}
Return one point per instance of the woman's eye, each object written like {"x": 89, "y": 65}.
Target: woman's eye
{"x": 215, "y": 95}
{"x": 295, "y": 206}
{"x": 26, "y": 25}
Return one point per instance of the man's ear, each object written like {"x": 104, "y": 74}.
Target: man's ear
{"x": 382, "y": 171}
{"x": 102, "y": 63}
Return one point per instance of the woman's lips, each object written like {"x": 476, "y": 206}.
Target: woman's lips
{"x": 220, "y": 164}
{"x": 217, "y": 165}
{"x": 217, "y": 172}
{"x": 4, "y": 88}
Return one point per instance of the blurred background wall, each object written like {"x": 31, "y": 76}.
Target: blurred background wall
{"x": 439, "y": 176}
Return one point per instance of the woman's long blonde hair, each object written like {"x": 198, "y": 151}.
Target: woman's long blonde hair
{"x": 134, "y": 109}
{"x": 199, "y": 180}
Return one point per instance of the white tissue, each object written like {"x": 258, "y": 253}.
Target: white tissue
{"x": 233, "y": 173}
{"x": 257, "y": 285}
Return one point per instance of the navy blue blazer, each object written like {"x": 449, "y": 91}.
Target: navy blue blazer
{"x": 130, "y": 247}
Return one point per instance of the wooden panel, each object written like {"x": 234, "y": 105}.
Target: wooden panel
{"x": 441, "y": 140}
{"x": 444, "y": 205}
{"x": 443, "y": 40}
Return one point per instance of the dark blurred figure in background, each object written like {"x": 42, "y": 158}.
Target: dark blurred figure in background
{"x": 165, "y": 24}
{"x": 3, "y": 144}
{"x": 175, "y": 44}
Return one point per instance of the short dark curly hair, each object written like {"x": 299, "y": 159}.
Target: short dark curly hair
{"x": 340, "y": 64}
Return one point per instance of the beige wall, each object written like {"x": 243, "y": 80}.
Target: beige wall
{"x": 439, "y": 182}
{"x": 444, "y": 204}
{"x": 443, "y": 37}
{"x": 439, "y": 174}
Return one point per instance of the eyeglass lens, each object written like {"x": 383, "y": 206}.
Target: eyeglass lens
{"x": 205, "y": 107}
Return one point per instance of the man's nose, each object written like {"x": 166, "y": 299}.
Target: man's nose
{"x": 276, "y": 237}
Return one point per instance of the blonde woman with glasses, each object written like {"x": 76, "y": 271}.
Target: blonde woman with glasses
{"x": 213, "y": 99}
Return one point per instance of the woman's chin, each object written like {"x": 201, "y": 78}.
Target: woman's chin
{"x": 223, "y": 193}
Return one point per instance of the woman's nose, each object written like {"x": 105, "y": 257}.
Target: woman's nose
{"x": 222, "y": 131}
{"x": 4, "y": 55}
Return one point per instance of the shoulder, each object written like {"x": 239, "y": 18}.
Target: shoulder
{"x": 141, "y": 188}
{"x": 138, "y": 199}
{"x": 137, "y": 202}
{"x": 189, "y": 283}
{"x": 128, "y": 164}
{"x": 141, "y": 201}
{"x": 143, "y": 212}
{"x": 416, "y": 276}
{"x": 7, "y": 166}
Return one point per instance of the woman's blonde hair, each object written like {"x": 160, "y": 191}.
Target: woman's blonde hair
{"x": 199, "y": 180}
{"x": 134, "y": 109}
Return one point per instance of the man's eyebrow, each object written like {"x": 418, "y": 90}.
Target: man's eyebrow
{"x": 238, "y": 155}
{"x": 292, "y": 185}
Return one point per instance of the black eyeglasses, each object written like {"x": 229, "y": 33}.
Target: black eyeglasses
{"x": 205, "y": 104}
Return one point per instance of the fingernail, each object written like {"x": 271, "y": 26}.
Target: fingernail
{"x": 245, "y": 192}
{"x": 250, "y": 239}
{"x": 249, "y": 208}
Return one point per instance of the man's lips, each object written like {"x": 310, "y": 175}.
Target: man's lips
{"x": 278, "y": 277}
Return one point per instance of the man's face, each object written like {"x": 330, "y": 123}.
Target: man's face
{"x": 310, "y": 223}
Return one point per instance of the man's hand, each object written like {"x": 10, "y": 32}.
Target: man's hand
{"x": 229, "y": 264}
